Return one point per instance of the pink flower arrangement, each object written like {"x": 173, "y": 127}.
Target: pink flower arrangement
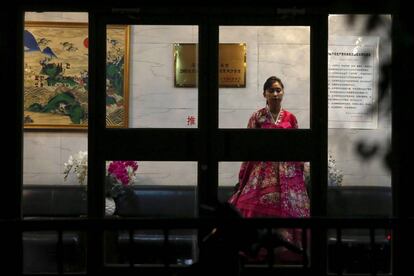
{"x": 124, "y": 172}
{"x": 119, "y": 174}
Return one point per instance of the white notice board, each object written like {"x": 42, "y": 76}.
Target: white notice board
{"x": 352, "y": 82}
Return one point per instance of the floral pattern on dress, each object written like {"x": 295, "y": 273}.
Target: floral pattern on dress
{"x": 273, "y": 189}
{"x": 289, "y": 169}
{"x": 270, "y": 198}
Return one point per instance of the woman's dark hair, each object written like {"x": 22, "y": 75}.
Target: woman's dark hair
{"x": 270, "y": 81}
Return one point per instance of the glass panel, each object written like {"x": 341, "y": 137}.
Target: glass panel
{"x": 148, "y": 247}
{"x": 184, "y": 246}
{"x": 268, "y": 189}
{"x": 359, "y": 123}
{"x": 282, "y": 51}
{"x": 150, "y": 189}
{"x": 152, "y": 76}
{"x": 40, "y": 252}
{"x": 55, "y": 98}
{"x": 359, "y": 135}
{"x": 354, "y": 253}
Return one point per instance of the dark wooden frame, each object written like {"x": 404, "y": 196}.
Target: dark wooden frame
{"x": 208, "y": 135}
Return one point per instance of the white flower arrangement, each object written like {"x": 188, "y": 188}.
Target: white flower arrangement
{"x": 78, "y": 163}
{"x": 335, "y": 176}
{"x": 120, "y": 174}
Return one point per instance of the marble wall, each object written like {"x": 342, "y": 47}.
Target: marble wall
{"x": 155, "y": 102}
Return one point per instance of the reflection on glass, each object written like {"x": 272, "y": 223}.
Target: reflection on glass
{"x": 282, "y": 51}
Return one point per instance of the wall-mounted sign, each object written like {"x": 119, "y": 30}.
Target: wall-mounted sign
{"x": 352, "y": 82}
{"x": 185, "y": 65}
{"x": 232, "y": 65}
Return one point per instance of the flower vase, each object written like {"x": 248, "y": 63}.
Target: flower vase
{"x": 109, "y": 206}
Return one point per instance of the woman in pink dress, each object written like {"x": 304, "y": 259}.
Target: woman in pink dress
{"x": 271, "y": 188}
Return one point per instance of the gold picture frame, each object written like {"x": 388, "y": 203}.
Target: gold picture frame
{"x": 56, "y": 75}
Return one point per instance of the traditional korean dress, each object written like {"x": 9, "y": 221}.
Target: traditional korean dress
{"x": 273, "y": 189}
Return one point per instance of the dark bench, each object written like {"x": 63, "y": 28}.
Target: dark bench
{"x": 41, "y": 201}
{"x": 40, "y": 248}
{"x": 359, "y": 202}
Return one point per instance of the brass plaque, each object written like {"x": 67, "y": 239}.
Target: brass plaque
{"x": 232, "y": 65}
{"x": 185, "y": 65}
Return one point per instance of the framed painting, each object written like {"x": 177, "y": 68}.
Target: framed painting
{"x": 56, "y": 75}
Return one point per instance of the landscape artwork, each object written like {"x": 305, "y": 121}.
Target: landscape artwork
{"x": 56, "y": 75}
